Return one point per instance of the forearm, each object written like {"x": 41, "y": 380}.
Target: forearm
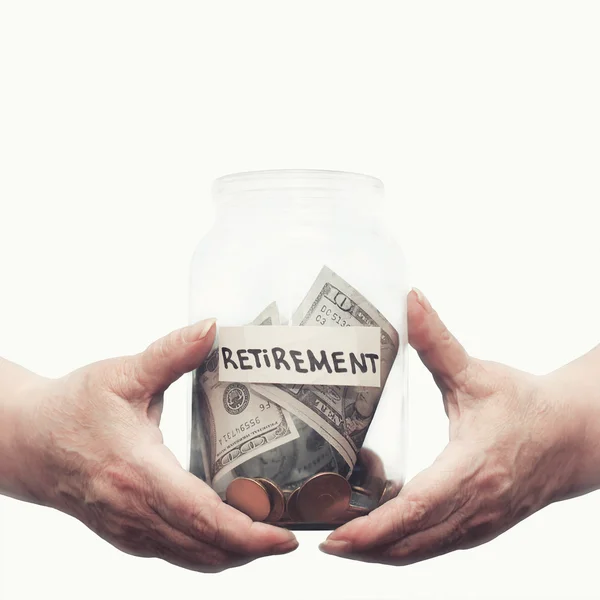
{"x": 18, "y": 390}
{"x": 577, "y": 388}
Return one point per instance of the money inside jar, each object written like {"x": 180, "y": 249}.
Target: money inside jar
{"x": 290, "y": 447}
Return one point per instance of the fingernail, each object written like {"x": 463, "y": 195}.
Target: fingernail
{"x": 201, "y": 329}
{"x": 422, "y": 299}
{"x": 338, "y": 547}
{"x": 286, "y": 546}
{"x": 265, "y": 529}
{"x": 291, "y": 536}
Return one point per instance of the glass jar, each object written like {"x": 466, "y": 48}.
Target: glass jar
{"x": 293, "y": 249}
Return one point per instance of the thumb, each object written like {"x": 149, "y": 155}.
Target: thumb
{"x": 439, "y": 350}
{"x": 190, "y": 505}
{"x": 168, "y": 358}
{"x": 431, "y": 498}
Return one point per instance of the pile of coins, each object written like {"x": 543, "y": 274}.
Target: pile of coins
{"x": 323, "y": 498}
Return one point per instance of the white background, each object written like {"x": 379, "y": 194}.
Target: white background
{"x": 482, "y": 119}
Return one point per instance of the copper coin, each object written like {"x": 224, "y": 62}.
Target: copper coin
{"x": 356, "y": 511}
{"x": 276, "y": 498}
{"x": 360, "y": 505}
{"x": 350, "y": 514}
{"x": 292, "y": 507}
{"x": 250, "y": 497}
{"x": 362, "y": 490}
{"x": 323, "y": 497}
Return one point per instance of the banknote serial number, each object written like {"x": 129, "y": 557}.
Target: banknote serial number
{"x": 327, "y": 314}
{"x": 241, "y": 428}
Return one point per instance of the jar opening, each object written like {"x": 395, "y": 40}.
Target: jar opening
{"x": 302, "y": 181}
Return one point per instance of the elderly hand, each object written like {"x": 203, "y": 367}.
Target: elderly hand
{"x": 517, "y": 443}
{"x": 89, "y": 444}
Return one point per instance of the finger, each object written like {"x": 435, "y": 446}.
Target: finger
{"x": 442, "y": 538}
{"x": 196, "y": 563}
{"x": 158, "y": 539}
{"x": 428, "y": 499}
{"x": 190, "y": 505}
{"x": 439, "y": 350}
{"x": 181, "y": 549}
{"x": 463, "y": 529}
{"x": 168, "y": 358}
{"x": 132, "y": 525}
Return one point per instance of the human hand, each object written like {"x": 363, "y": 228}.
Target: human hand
{"x": 89, "y": 444}
{"x": 516, "y": 444}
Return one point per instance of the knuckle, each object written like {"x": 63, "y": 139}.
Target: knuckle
{"x": 205, "y": 522}
{"x": 165, "y": 345}
{"x": 411, "y": 515}
{"x": 485, "y": 379}
{"x": 206, "y": 531}
{"x": 160, "y": 348}
{"x": 463, "y": 379}
{"x": 117, "y": 375}
{"x": 120, "y": 376}
{"x": 128, "y": 376}
{"x": 467, "y": 381}
{"x": 445, "y": 337}
{"x": 418, "y": 511}
{"x": 458, "y": 531}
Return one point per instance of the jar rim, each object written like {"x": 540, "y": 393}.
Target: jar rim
{"x": 310, "y": 180}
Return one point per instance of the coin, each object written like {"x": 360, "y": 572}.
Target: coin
{"x": 250, "y": 497}
{"x": 276, "y": 498}
{"x": 359, "y": 506}
{"x": 323, "y": 497}
{"x": 292, "y": 507}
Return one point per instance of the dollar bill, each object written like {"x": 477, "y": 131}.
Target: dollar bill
{"x": 290, "y": 465}
{"x": 238, "y": 424}
{"x": 341, "y": 414}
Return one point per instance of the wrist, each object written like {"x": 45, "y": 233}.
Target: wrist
{"x": 21, "y": 392}
{"x": 576, "y": 389}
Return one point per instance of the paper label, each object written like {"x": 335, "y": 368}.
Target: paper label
{"x": 304, "y": 355}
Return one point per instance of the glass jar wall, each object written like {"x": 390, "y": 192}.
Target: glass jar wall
{"x": 300, "y": 249}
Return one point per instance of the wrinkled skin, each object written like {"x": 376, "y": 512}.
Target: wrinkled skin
{"x": 517, "y": 443}
{"x": 89, "y": 445}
